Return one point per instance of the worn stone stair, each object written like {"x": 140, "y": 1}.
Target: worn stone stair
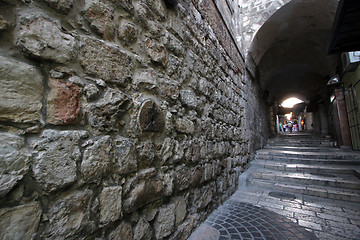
{"x": 305, "y": 164}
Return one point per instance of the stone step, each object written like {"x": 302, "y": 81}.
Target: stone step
{"x": 311, "y": 190}
{"x": 340, "y": 155}
{"x": 307, "y": 165}
{"x": 302, "y": 148}
{"x": 301, "y": 142}
{"x": 303, "y": 145}
{"x": 284, "y": 140}
{"x": 300, "y": 167}
{"x": 308, "y": 160}
{"x": 345, "y": 181}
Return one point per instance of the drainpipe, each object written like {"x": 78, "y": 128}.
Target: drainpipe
{"x": 343, "y": 118}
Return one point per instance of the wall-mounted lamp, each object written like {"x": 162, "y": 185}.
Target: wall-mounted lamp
{"x": 172, "y": 3}
{"x": 334, "y": 80}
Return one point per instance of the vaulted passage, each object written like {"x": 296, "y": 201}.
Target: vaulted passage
{"x": 290, "y": 52}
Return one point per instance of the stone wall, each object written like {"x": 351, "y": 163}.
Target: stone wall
{"x": 119, "y": 119}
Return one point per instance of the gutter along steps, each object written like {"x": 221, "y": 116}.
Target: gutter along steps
{"x": 305, "y": 164}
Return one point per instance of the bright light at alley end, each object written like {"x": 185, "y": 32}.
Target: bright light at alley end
{"x": 290, "y": 102}
{"x": 289, "y": 116}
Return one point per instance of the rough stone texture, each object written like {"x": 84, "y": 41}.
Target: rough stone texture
{"x": 63, "y": 103}
{"x": 100, "y": 16}
{"x": 3, "y": 23}
{"x": 105, "y": 61}
{"x": 127, "y": 33}
{"x": 91, "y": 92}
{"x": 164, "y": 222}
{"x": 142, "y": 230}
{"x": 155, "y": 51}
{"x": 21, "y": 91}
{"x": 124, "y": 155}
{"x": 122, "y": 232}
{"x": 42, "y": 38}
{"x": 180, "y": 210}
{"x": 62, "y": 6}
{"x": 15, "y": 159}
{"x": 184, "y": 125}
{"x": 105, "y": 114}
{"x": 19, "y": 222}
{"x": 57, "y": 153}
{"x": 145, "y": 192}
{"x": 96, "y": 159}
{"x": 70, "y": 215}
{"x": 110, "y": 204}
{"x": 189, "y": 98}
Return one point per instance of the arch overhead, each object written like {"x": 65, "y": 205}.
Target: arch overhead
{"x": 290, "y": 50}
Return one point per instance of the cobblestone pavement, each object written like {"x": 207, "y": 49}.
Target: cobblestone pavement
{"x": 240, "y": 220}
{"x": 257, "y": 214}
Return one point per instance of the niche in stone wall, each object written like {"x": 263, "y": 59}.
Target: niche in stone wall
{"x": 151, "y": 118}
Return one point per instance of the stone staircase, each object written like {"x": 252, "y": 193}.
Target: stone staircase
{"x": 305, "y": 164}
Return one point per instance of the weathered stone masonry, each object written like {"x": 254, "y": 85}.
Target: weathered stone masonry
{"x": 119, "y": 119}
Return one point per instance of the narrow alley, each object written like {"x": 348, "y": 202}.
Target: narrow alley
{"x": 145, "y": 119}
{"x": 298, "y": 187}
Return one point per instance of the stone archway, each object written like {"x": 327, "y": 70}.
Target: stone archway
{"x": 254, "y": 15}
{"x": 289, "y": 49}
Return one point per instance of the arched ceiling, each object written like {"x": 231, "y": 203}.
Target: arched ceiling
{"x": 290, "y": 49}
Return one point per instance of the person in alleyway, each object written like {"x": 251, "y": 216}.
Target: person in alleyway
{"x": 290, "y": 126}
{"x": 280, "y": 127}
{"x": 285, "y": 126}
{"x": 295, "y": 127}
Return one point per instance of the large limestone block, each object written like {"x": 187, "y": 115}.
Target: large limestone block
{"x": 21, "y": 89}
{"x": 57, "y": 153}
{"x": 124, "y": 155}
{"x": 189, "y": 98}
{"x": 180, "y": 210}
{"x": 96, "y": 159}
{"x": 19, "y": 223}
{"x": 142, "y": 230}
{"x": 145, "y": 192}
{"x": 184, "y": 125}
{"x": 110, "y": 204}
{"x": 69, "y": 216}
{"x": 106, "y": 61}
{"x": 40, "y": 37}
{"x": 122, "y": 232}
{"x": 14, "y": 161}
{"x": 164, "y": 222}
{"x": 100, "y": 17}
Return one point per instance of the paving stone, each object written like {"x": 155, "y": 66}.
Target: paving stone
{"x": 240, "y": 220}
{"x": 252, "y": 213}
{"x": 333, "y": 217}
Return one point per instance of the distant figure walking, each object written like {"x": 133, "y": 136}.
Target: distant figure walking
{"x": 280, "y": 127}
{"x": 290, "y": 126}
